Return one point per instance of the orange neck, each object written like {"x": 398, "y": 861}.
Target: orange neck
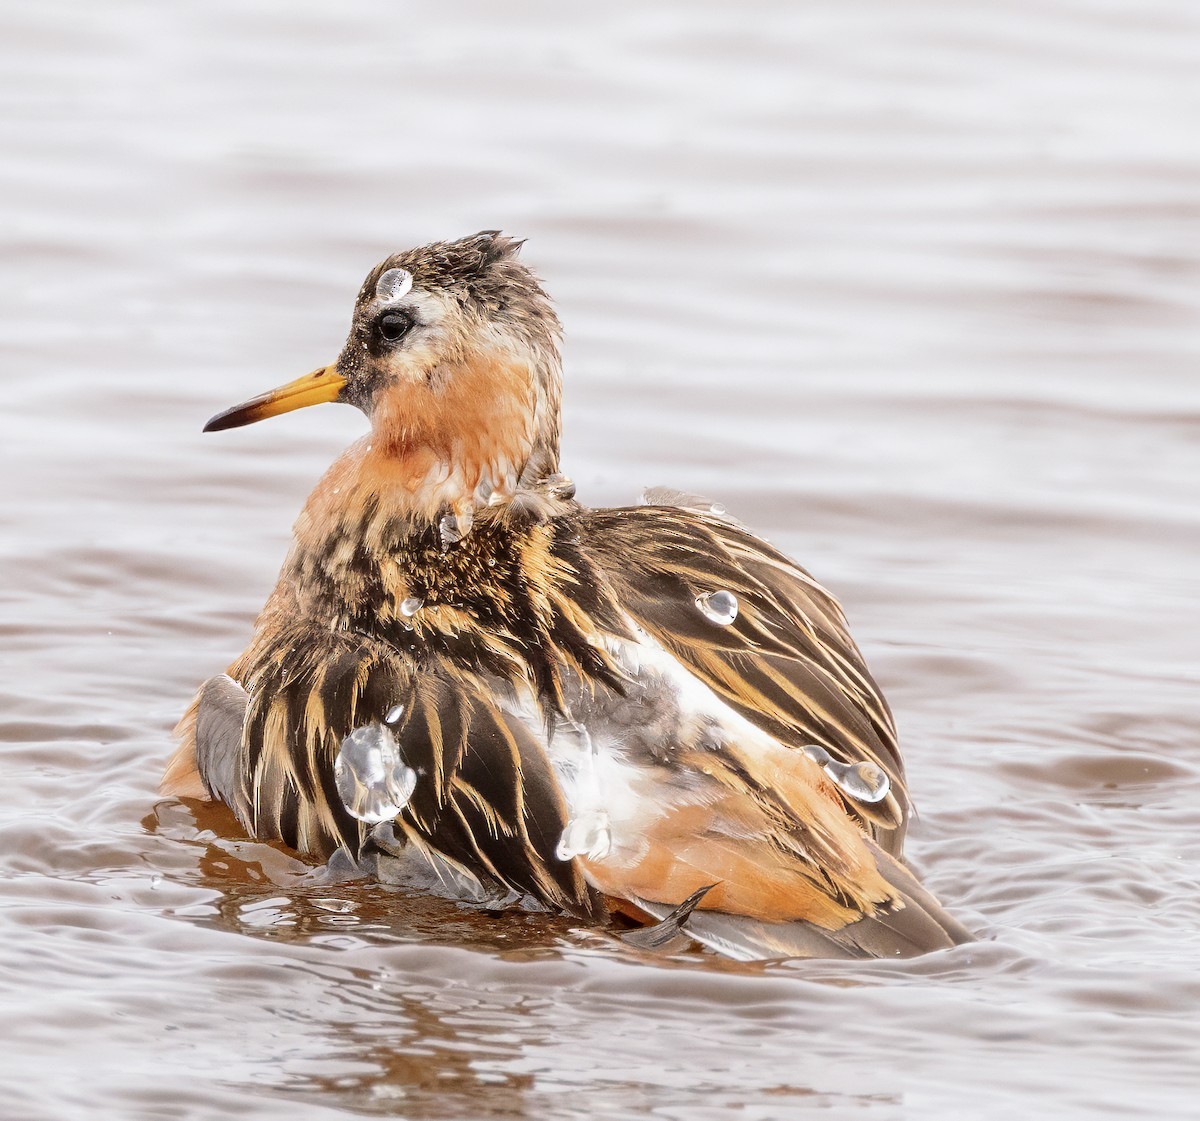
{"x": 457, "y": 441}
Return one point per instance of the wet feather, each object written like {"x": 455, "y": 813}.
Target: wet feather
{"x": 547, "y": 670}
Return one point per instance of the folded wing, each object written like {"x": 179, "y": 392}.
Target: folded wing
{"x": 787, "y": 663}
{"x": 485, "y": 800}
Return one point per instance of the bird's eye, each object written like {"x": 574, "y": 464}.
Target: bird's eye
{"x": 394, "y": 325}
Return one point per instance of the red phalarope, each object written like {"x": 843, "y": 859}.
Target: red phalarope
{"x": 504, "y": 694}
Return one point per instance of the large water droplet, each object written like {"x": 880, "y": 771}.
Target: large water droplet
{"x": 864, "y": 782}
{"x": 588, "y": 835}
{"x": 373, "y": 782}
{"x": 719, "y": 607}
{"x": 409, "y": 607}
{"x": 393, "y": 714}
{"x": 393, "y": 284}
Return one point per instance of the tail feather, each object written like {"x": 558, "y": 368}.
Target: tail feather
{"x": 923, "y": 919}
{"x": 746, "y": 939}
{"x": 915, "y": 923}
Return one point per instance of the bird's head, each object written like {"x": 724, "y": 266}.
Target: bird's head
{"x": 453, "y": 354}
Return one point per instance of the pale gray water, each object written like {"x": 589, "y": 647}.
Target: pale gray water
{"x": 912, "y": 289}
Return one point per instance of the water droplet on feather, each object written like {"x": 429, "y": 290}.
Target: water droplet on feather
{"x": 393, "y": 714}
{"x": 372, "y": 780}
{"x": 817, "y": 754}
{"x": 454, "y": 527}
{"x": 589, "y": 835}
{"x": 718, "y": 607}
{"x": 560, "y": 485}
{"x": 409, "y": 607}
{"x": 864, "y": 782}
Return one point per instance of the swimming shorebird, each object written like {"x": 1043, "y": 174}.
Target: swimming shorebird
{"x": 466, "y": 681}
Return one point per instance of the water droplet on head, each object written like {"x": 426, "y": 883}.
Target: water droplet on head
{"x": 589, "y": 835}
{"x": 393, "y": 285}
{"x": 393, "y": 714}
{"x": 410, "y": 606}
{"x": 372, "y": 780}
{"x": 718, "y": 607}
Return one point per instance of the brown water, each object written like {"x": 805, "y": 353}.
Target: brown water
{"x": 911, "y": 288}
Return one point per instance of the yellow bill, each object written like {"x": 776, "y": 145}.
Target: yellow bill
{"x": 313, "y": 389}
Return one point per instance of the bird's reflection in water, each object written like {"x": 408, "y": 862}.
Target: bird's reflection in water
{"x": 393, "y": 1042}
{"x": 420, "y": 1055}
{"x": 263, "y": 890}
{"x": 409, "y": 1035}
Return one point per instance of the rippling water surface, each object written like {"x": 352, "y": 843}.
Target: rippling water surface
{"x": 912, "y": 289}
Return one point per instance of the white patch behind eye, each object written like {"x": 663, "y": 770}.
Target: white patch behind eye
{"x": 393, "y": 284}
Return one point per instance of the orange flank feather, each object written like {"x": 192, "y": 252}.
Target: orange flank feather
{"x": 750, "y": 853}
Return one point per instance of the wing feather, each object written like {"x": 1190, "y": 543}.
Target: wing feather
{"x": 485, "y": 795}
{"x": 787, "y": 663}
{"x": 503, "y": 804}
